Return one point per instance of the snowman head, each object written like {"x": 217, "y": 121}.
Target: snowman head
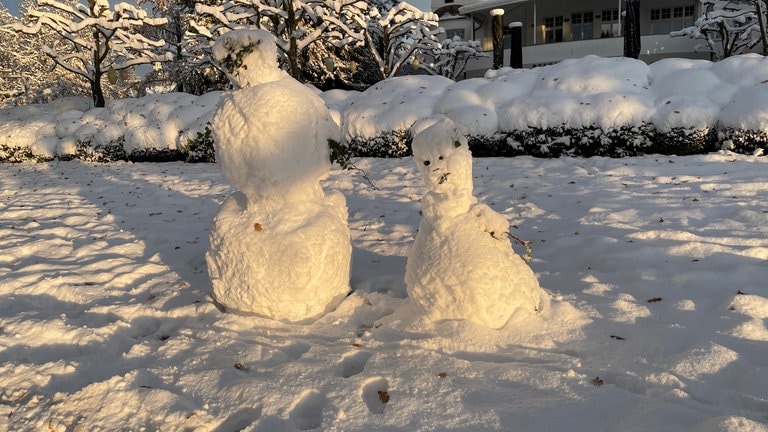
{"x": 249, "y": 57}
{"x": 442, "y": 154}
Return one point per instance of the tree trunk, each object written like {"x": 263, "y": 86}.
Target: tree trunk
{"x": 497, "y": 29}
{"x": 293, "y": 49}
{"x": 632, "y": 29}
{"x": 761, "y": 18}
{"x": 98, "y": 93}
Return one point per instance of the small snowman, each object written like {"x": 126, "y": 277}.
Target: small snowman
{"x": 279, "y": 246}
{"x": 462, "y": 265}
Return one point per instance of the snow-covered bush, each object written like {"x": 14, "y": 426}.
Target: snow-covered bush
{"x": 395, "y": 143}
{"x": 744, "y": 141}
{"x": 582, "y": 107}
{"x": 112, "y": 151}
{"x": 201, "y": 148}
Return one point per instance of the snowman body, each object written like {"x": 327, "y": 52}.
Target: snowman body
{"x": 279, "y": 246}
{"x": 462, "y": 265}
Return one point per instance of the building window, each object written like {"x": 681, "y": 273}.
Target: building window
{"x": 553, "y": 29}
{"x": 582, "y": 25}
{"x": 610, "y": 26}
{"x": 665, "y": 20}
{"x": 451, "y": 33}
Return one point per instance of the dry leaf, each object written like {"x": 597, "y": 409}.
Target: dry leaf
{"x": 598, "y": 382}
{"x": 240, "y": 366}
{"x": 383, "y": 396}
{"x": 257, "y": 226}
{"x": 654, "y": 300}
{"x": 442, "y": 374}
{"x": 617, "y": 337}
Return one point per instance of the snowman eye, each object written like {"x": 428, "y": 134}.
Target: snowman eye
{"x": 426, "y": 163}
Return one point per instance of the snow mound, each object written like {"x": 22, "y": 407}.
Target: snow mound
{"x": 259, "y": 152}
{"x": 249, "y": 57}
{"x": 289, "y": 262}
{"x": 462, "y": 265}
{"x": 279, "y": 248}
{"x": 394, "y": 104}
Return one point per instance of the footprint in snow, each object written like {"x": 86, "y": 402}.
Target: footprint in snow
{"x": 375, "y": 394}
{"x": 240, "y": 419}
{"x": 352, "y": 363}
{"x": 307, "y": 410}
{"x": 294, "y": 351}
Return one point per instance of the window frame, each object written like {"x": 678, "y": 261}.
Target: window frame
{"x": 553, "y": 29}
{"x": 582, "y": 25}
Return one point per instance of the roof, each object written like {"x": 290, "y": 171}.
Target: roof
{"x": 485, "y": 5}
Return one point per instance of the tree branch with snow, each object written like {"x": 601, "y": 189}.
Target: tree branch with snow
{"x": 729, "y": 27}
{"x": 101, "y": 40}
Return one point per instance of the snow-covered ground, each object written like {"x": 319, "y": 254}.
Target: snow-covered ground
{"x": 656, "y": 265}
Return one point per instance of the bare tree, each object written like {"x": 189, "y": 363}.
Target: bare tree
{"x": 729, "y": 27}
{"x": 451, "y": 57}
{"x": 26, "y": 74}
{"x": 98, "y": 40}
{"x": 401, "y": 36}
{"x": 296, "y": 24}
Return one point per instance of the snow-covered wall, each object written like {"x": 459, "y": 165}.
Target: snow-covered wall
{"x": 727, "y": 100}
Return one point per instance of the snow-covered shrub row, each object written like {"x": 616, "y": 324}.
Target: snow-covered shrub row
{"x": 586, "y": 106}
{"x": 592, "y": 141}
{"x": 154, "y": 128}
{"x": 582, "y": 107}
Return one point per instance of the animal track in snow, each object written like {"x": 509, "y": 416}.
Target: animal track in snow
{"x": 352, "y": 363}
{"x": 307, "y": 411}
{"x": 375, "y": 394}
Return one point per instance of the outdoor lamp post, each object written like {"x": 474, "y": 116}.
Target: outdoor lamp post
{"x": 516, "y": 52}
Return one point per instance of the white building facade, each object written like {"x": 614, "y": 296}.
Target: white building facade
{"x": 554, "y": 30}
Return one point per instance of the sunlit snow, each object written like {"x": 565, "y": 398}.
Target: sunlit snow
{"x": 654, "y": 268}
{"x": 279, "y": 246}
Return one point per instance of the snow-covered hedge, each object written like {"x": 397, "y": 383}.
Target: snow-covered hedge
{"x": 581, "y": 107}
{"x": 154, "y": 128}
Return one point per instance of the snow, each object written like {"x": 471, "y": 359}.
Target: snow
{"x": 279, "y": 247}
{"x": 392, "y": 105}
{"x": 587, "y": 92}
{"x": 462, "y": 265}
{"x": 248, "y": 56}
{"x": 652, "y": 269}
{"x": 107, "y": 321}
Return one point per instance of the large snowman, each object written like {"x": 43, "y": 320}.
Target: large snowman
{"x": 462, "y": 265}
{"x": 279, "y": 246}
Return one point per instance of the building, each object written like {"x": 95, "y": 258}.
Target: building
{"x": 554, "y": 30}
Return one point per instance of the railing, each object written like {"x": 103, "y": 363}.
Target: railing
{"x": 653, "y": 47}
